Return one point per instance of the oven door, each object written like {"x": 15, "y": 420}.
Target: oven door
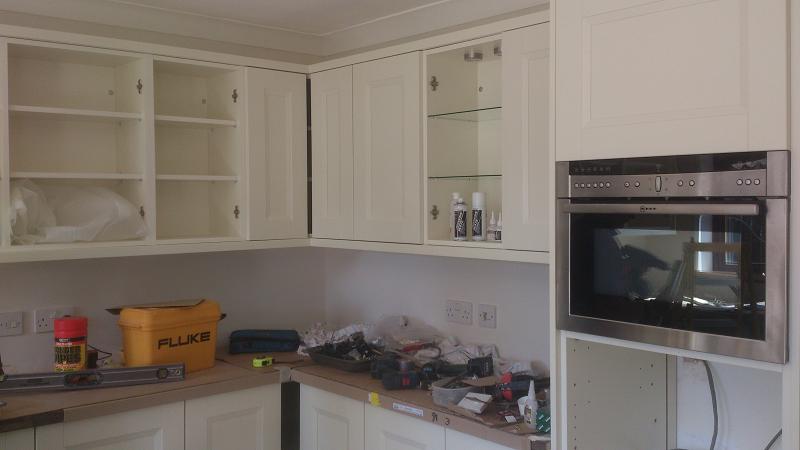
{"x": 709, "y": 277}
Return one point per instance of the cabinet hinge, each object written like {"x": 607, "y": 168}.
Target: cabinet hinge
{"x": 434, "y": 83}
{"x": 141, "y": 211}
{"x": 236, "y": 211}
{"x": 139, "y": 86}
{"x": 235, "y": 96}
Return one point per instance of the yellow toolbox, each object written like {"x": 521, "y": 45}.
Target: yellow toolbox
{"x": 176, "y": 332}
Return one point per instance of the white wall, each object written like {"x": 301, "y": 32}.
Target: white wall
{"x": 749, "y": 404}
{"x": 364, "y": 286}
{"x": 257, "y": 289}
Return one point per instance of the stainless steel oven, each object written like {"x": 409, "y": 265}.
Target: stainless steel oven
{"x": 683, "y": 251}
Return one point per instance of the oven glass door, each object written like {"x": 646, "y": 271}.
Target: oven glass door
{"x": 694, "y": 267}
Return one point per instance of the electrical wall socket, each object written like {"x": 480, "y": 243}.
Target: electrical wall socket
{"x": 487, "y": 316}
{"x": 459, "y": 312}
{"x": 11, "y": 323}
{"x": 43, "y": 318}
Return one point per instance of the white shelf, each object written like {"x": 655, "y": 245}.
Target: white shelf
{"x": 200, "y": 122}
{"x": 77, "y": 176}
{"x": 469, "y": 244}
{"x": 226, "y": 178}
{"x": 197, "y": 240}
{"x": 72, "y": 113}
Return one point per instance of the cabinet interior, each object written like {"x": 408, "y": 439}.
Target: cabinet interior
{"x": 464, "y": 120}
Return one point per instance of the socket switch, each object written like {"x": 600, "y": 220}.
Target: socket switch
{"x": 43, "y": 318}
{"x": 487, "y": 316}
{"x": 459, "y": 312}
{"x": 11, "y": 323}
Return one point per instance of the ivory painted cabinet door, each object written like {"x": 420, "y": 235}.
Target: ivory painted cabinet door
{"x": 277, "y": 154}
{"x": 657, "y": 77}
{"x": 329, "y": 421}
{"x": 387, "y": 149}
{"x": 526, "y": 138}
{"x": 459, "y": 441}
{"x": 332, "y": 161}
{"x": 158, "y": 428}
{"x": 18, "y": 440}
{"x": 387, "y": 430}
{"x": 249, "y": 419}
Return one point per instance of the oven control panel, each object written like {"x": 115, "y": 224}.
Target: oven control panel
{"x": 749, "y": 183}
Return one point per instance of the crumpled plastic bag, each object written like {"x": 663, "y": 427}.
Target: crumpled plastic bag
{"x": 63, "y": 213}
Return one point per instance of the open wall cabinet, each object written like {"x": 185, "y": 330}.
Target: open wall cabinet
{"x": 165, "y": 140}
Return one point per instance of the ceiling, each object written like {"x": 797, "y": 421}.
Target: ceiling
{"x": 316, "y": 17}
{"x": 317, "y": 28}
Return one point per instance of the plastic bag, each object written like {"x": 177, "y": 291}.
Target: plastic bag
{"x": 62, "y": 213}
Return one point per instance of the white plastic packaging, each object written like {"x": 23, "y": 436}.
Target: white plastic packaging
{"x": 63, "y": 213}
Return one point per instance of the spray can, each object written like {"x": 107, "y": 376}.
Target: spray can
{"x": 478, "y": 216}
{"x": 453, "y": 200}
{"x": 70, "y": 343}
{"x": 460, "y": 221}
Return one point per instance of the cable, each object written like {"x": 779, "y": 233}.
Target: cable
{"x": 713, "y": 390}
{"x": 775, "y": 438}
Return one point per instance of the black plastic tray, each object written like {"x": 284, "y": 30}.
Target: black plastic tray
{"x": 348, "y": 365}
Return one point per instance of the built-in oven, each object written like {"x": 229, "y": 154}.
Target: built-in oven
{"x": 683, "y": 251}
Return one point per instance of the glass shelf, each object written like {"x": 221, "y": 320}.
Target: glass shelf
{"x": 474, "y": 115}
{"x": 466, "y": 177}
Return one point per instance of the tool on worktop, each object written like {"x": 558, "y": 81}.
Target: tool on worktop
{"x": 263, "y": 361}
{"x": 263, "y": 341}
{"x": 99, "y": 378}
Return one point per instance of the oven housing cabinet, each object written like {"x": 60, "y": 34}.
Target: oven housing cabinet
{"x": 655, "y": 186}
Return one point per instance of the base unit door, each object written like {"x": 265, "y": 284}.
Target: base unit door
{"x": 332, "y": 162}
{"x": 387, "y": 430}
{"x": 249, "y": 419}
{"x": 661, "y": 77}
{"x": 388, "y": 150}
{"x": 526, "y": 138}
{"x": 276, "y": 155}
{"x": 456, "y": 440}
{"x": 330, "y": 422}
{"x": 18, "y": 440}
{"x": 158, "y": 428}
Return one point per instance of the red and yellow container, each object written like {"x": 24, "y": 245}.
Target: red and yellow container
{"x": 178, "y": 332}
{"x": 70, "y": 343}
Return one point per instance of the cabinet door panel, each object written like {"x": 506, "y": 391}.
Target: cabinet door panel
{"x": 526, "y": 138}
{"x": 644, "y": 77}
{"x": 332, "y": 159}
{"x": 18, "y": 440}
{"x": 387, "y": 149}
{"x": 460, "y": 441}
{"x": 329, "y": 421}
{"x": 387, "y": 430}
{"x": 159, "y": 428}
{"x": 242, "y": 420}
{"x": 277, "y": 154}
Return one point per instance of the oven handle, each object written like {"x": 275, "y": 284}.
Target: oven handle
{"x": 691, "y": 209}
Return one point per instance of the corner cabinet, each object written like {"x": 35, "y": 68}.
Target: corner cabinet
{"x": 276, "y": 154}
{"x": 647, "y": 78}
{"x": 330, "y": 421}
{"x": 387, "y": 430}
{"x": 387, "y": 150}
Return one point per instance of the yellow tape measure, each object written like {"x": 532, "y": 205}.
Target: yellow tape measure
{"x": 262, "y": 361}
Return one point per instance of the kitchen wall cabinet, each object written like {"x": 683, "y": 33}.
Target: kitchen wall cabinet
{"x": 643, "y": 77}
{"x": 18, "y": 440}
{"x": 243, "y": 420}
{"x": 387, "y": 149}
{"x": 526, "y": 138}
{"x": 387, "y": 430}
{"x": 277, "y": 154}
{"x": 330, "y": 421}
{"x": 456, "y": 440}
{"x": 158, "y": 428}
{"x": 332, "y": 146}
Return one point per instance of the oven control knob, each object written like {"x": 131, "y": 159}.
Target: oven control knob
{"x": 680, "y": 183}
{"x": 658, "y": 184}
{"x": 608, "y": 184}
{"x": 637, "y": 184}
{"x": 739, "y": 181}
{"x": 627, "y": 184}
{"x": 748, "y": 182}
{"x": 583, "y": 185}
{"x": 757, "y": 181}
{"x": 594, "y": 185}
{"x": 577, "y": 185}
{"x": 691, "y": 182}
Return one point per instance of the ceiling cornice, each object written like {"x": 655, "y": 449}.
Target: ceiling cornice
{"x": 123, "y": 13}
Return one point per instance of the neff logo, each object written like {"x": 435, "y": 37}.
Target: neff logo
{"x": 189, "y": 339}
{"x": 644, "y": 209}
